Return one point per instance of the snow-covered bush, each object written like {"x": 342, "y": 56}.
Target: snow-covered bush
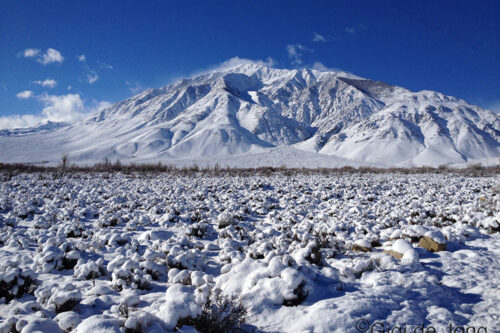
{"x": 182, "y": 258}
{"x": 225, "y": 220}
{"x": 15, "y": 282}
{"x": 58, "y": 298}
{"x": 198, "y": 229}
{"x": 219, "y": 314}
{"x": 39, "y": 222}
{"x": 50, "y": 258}
{"x": 35, "y": 325}
{"x": 68, "y": 320}
{"x": 259, "y": 283}
{"x": 70, "y": 259}
{"x": 100, "y": 323}
{"x": 128, "y": 273}
{"x": 53, "y": 257}
{"x": 181, "y": 302}
{"x": 75, "y": 231}
{"x": 141, "y": 322}
{"x": 109, "y": 221}
{"x": 89, "y": 270}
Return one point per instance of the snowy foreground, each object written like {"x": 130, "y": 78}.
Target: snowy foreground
{"x": 337, "y": 253}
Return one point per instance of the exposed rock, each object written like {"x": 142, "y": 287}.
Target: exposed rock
{"x": 398, "y": 248}
{"x": 393, "y": 253}
{"x": 431, "y": 245}
{"x": 362, "y": 246}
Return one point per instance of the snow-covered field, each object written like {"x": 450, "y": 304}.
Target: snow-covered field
{"x": 316, "y": 253}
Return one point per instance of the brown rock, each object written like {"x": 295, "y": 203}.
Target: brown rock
{"x": 430, "y": 245}
{"x": 360, "y": 248}
{"x": 393, "y": 253}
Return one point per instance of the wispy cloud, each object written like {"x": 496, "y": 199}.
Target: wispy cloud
{"x": 99, "y": 106}
{"x": 318, "y": 38}
{"x": 50, "y": 56}
{"x": 134, "y": 87}
{"x": 295, "y": 52}
{"x": 24, "y": 94}
{"x": 48, "y": 83}
{"x": 322, "y": 68}
{"x": 350, "y": 30}
{"x": 221, "y": 67}
{"x": 92, "y": 77}
{"x": 56, "y": 108}
{"x": 30, "y": 53}
{"x": 104, "y": 65}
{"x": 353, "y": 30}
{"x": 237, "y": 61}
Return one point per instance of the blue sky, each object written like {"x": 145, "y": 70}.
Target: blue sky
{"x": 62, "y": 59}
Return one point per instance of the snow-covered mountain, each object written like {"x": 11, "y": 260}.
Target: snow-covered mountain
{"x": 301, "y": 117}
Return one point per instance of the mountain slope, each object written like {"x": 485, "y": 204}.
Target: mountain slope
{"x": 252, "y": 109}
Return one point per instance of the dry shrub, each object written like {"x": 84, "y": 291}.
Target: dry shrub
{"x": 220, "y": 314}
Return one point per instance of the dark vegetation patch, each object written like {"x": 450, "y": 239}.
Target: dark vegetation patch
{"x": 22, "y": 283}
{"x": 220, "y": 314}
{"x": 9, "y": 170}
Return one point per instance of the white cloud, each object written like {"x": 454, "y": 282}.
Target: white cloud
{"x": 237, "y": 61}
{"x": 49, "y": 57}
{"x": 92, "y": 77}
{"x": 295, "y": 52}
{"x": 318, "y": 38}
{"x": 19, "y": 121}
{"x": 56, "y": 108}
{"x": 82, "y": 58}
{"x": 48, "y": 83}
{"x": 99, "y": 106}
{"x": 62, "y": 108}
{"x": 221, "y": 67}
{"x": 25, "y": 94}
{"x": 30, "y": 53}
{"x": 322, "y": 68}
{"x": 65, "y": 108}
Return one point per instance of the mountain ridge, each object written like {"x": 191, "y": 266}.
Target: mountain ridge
{"x": 250, "y": 109}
